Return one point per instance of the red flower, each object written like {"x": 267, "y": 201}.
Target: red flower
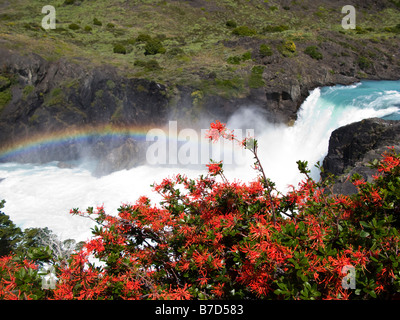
{"x": 217, "y": 130}
{"x": 214, "y": 168}
{"x": 220, "y": 127}
{"x": 218, "y": 289}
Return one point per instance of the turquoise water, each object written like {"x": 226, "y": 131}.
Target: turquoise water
{"x": 366, "y": 95}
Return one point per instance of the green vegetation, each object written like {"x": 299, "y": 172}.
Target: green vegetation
{"x": 244, "y": 31}
{"x": 27, "y": 91}
{"x": 143, "y": 37}
{"x": 154, "y": 46}
{"x": 212, "y": 37}
{"x": 150, "y": 65}
{"x": 287, "y": 48}
{"x": 256, "y": 79}
{"x": 313, "y": 52}
{"x": 395, "y": 29}
{"x": 119, "y": 48}
{"x": 231, "y": 24}
{"x": 4, "y": 83}
{"x": 265, "y": 50}
{"x": 74, "y": 26}
{"x": 238, "y": 59}
{"x": 364, "y": 63}
{"x": 32, "y": 243}
{"x": 5, "y": 97}
{"x": 97, "y": 22}
{"x": 54, "y": 98}
{"x": 279, "y": 28}
{"x": 234, "y": 60}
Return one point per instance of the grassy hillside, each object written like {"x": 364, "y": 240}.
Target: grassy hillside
{"x": 211, "y": 45}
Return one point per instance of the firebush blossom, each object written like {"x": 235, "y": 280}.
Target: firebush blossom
{"x": 213, "y": 239}
{"x": 214, "y": 168}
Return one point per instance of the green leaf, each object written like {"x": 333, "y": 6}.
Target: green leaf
{"x": 372, "y": 294}
{"x": 364, "y": 224}
{"x": 364, "y": 234}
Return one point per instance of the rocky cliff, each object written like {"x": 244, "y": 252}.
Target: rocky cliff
{"x": 352, "y": 147}
{"x": 55, "y": 96}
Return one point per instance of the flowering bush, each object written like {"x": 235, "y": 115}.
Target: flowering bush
{"x": 19, "y": 279}
{"x": 211, "y": 239}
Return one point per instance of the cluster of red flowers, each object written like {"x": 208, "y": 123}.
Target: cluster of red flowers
{"x": 10, "y": 269}
{"x": 218, "y": 130}
{"x": 213, "y": 239}
{"x": 214, "y": 169}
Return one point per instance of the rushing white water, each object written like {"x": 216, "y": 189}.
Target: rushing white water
{"x": 42, "y": 195}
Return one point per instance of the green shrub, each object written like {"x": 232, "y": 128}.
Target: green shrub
{"x": 237, "y": 59}
{"x": 4, "y": 83}
{"x": 119, "y": 48}
{"x": 87, "y": 28}
{"x": 395, "y": 29}
{"x": 231, "y": 24}
{"x": 265, "y": 51}
{"x": 54, "y": 98}
{"x": 277, "y": 28}
{"x": 27, "y": 90}
{"x": 110, "y": 25}
{"x": 244, "y": 31}
{"x": 364, "y": 63}
{"x": 152, "y": 65}
{"x": 256, "y": 80}
{"x": 229, "y": 87}
{"x": 153, "y": 46}
{"x": 246, "y": 56}
{"x": 97, "y": 22}
{"x": 395, "y": 2}
{"x": 161, "y": 37}
{"x": 69, "y": 2}
{"x": 234, "y": 60}
{"x": 176, "y": 51}
{"x": 143, "y": 37}
{"x": 313, "y": 52}
{"x": 139, "y": 63}
{"x": 5, "y": 97}
{"x": 74, "y": 26}
{"x": 360, "y": 30}
{"x": 287, "y": 48}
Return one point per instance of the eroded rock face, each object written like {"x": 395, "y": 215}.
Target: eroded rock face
{"x": 52, "y": 97}
{"x": 128, "y": 155}
{"x": 352, "y": 147}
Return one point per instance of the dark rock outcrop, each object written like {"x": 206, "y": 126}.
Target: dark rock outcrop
{"x": 128, "y": 155}
{"x": 52, "y": 97}
{"x": 352, "y": 147}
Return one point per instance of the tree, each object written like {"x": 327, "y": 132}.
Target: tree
{"x": 10, "y": 234}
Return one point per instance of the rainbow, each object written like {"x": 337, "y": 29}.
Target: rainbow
{"x": 59, "y": 138}
{"x": 81, "y": 135}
